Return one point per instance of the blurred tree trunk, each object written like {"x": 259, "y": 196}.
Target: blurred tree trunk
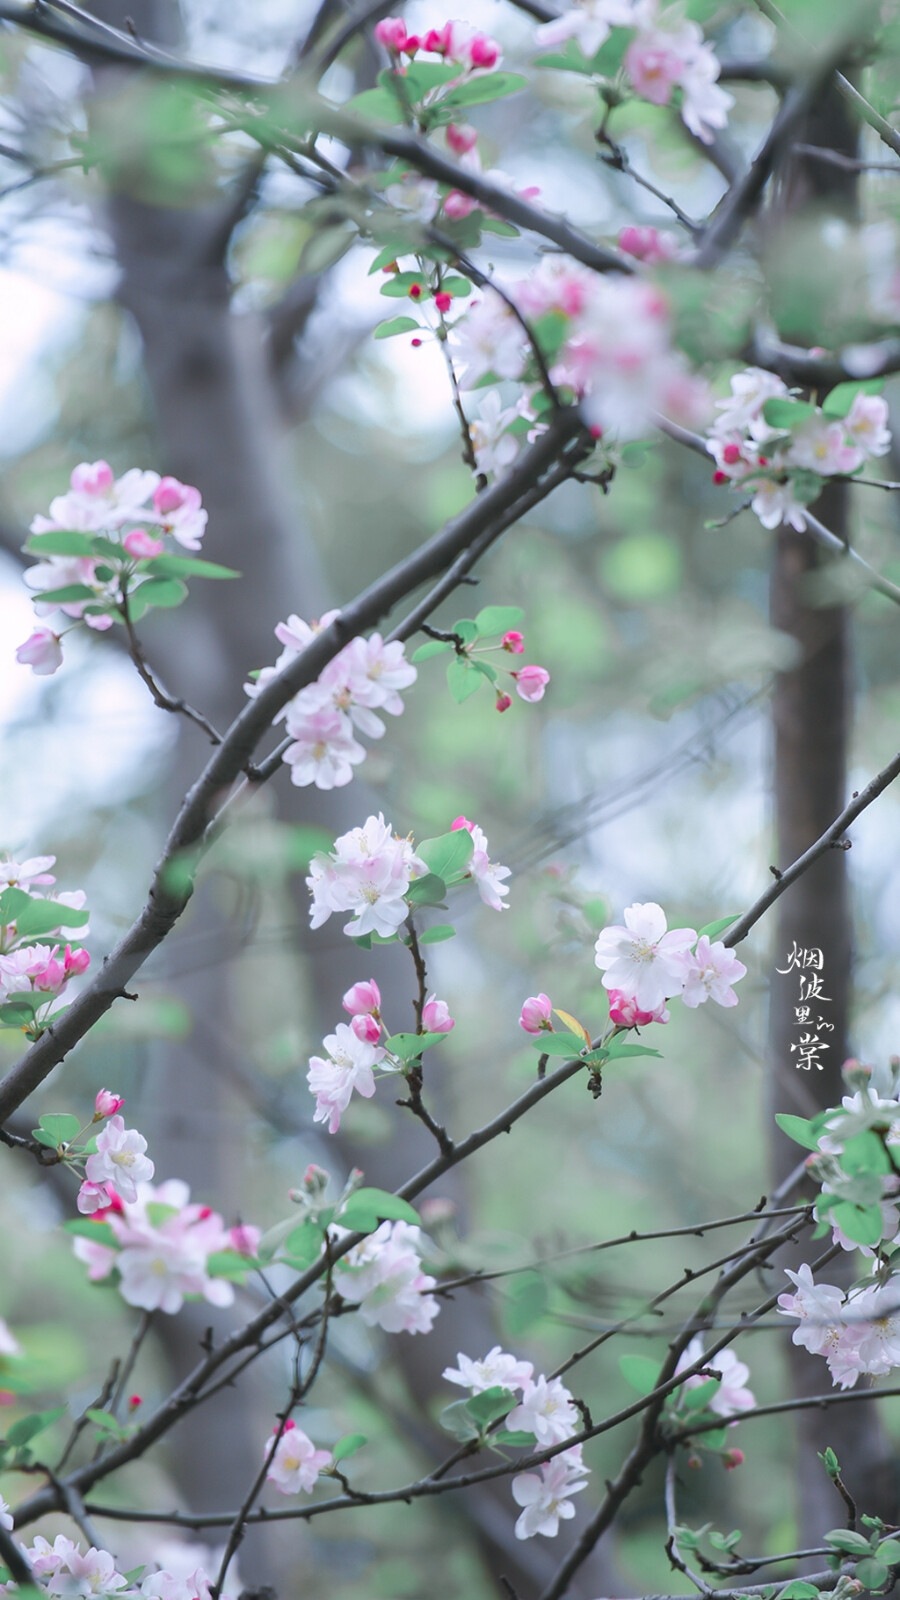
{"x": 812, "y": 718}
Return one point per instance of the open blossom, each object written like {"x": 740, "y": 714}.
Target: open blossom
{"x": 323, "y": 750}
{"x": 642, "y": 959}
{"x": 489, "y": 338}
{"x": 709, "y": 973}
{"x": 531, "y": 682}
{"x": 97, "y": 502}
{"x": 348, "y": 1066}
{"x": 546, "y": 1410}
{"x": 820, "y": 446}
{"x": 368, "y": 872}
{"x": 383, "y": 1276}
{"x": 24, "y": 874}
{"x": 866, "y": 424}
{"x": 67, "y": 1571}
{"x": 536, "y": 1013}
{"x": 161, "y": 1259}
{"x": 545, "y": 1496}
{"x": 488, "y": 875}
{"x": 732, "y": 1395}
{"x": 294, "y": 1462}
{"x": 42, "y": 652}
{"x": 496, "y": 1370}
{"x": 626, "y": 1013}
{"x": 589, "y": 22}
{"x": 664, "y": 57}
{"x": 119, "y": 1160}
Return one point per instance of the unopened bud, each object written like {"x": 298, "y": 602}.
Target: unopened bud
{"x": 732, "y": 1459}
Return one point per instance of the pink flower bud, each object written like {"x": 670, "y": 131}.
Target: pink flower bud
{"x": 315, "y": 1179}
{"x": 457, "y": 204}
{"x": 92, "y": 477}
{"x": 93, "y": 1197}
{"x": 362, "y": 997}
{"x": 483, "y": 52}
{"x": 732, "y": 1459}
{"x": 461, "y": 822}
{"x": 107, "y": 1104}
{"x": 415, "y": 343}
{"x": 503, "y": 703}
{"x": 719, "y": 476}
{"x": 443, "y": 301}
{"x": 391, "y": 32}
{"x": 244, "y": 1238}
{"x": 41, "y": 652}
{"x": 536, "y": 1014}
{"x": 531, "y": 682}
{"x": 514, "y": 642}
{"x": 595, "y": 431}
{"x": 365, "y": 1027}
{"x": 51, "y": 978}
{"x": 142, "y": 545}
{"x": 731, "y": 454}
{"x": 412, "y": 44}
{"x": 75, "y": 961}
{"x": 624, "y": 1012}
{"x": 170, "y": 495}
{"x": 436, "y": 1016}
{"x": 134, "y": 1400}
{"x": 461, "y": 138}
{"x": 439, "y": 40}
{"x": 648, "y": 244}
{"x": 415, "y": 291}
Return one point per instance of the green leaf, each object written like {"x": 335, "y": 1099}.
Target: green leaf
{"x": 457, "y": 287}
{"x": 640, "y": 1372}
{"x": 865, "y": 1153}
{"x": 398, "y": 285}
{"x": 186, "y": 567}
{"x": 348, "y": 1446}
{"x": 422, "y": 76}
{"x": 28, "y": 1428}
{"x": 455, "y": 1420}
{"x": 164, "y": 592}
{"x": 889, "y": 1552}
{"x": 44, "y": 916}
{"x": 517, "y": 1437}
{"x": 385, "y": 258}
{"x": 490, "y": 1405}
{"x": 841, "y": 398}
{"x": 466, "y": 627}
{"x": 725, "y": 1541}
{"x": 462, "y": 681}
{"x": 480, "y": 90}
{"x": 84, "y": 1228}
{"x": 830, "y": 1462}
{"x": 427, "y": 891}
{"x": 228, "y": 1264}
{"x": 61, "y": 1128}
{"x": 716, "y": 1439}
{"x": 697, "y": 1398}
{"x": 505, "y": 230}
{"x": 872, "y": 1573}
{"x": 303, "y": 1244}
{"x": 274, "y": 1237}
{"x": 68, "y": 593}
{"x": 432, "y": 647}
{"x": 855, "y": 1544}
{"x": 387, "y": 330}
{"x": 104, "y": 1420}
{"x": 448, "y": 854}
{"x": 12, "y": 902}
{"x": 498, "y": 619}
{"x": 437, "y": 934}
{"x": 367, "y": 1207}
{"x": 409, "y": 1045}
{"x": 862, "y": 1224}
{"x": 781, "y": 413}
{"x": 798, "y": 1590}
{"x": 158, "y": 1213}
{"x": 61, "y": 542}
{"x": 619, "y": 1046}
{"x": 797, "y": 1128}
{"x": 379, "y": 105}
{"x": 713, "y": 929}
{"x": 18, "y": 1011}
{"x": 558, "y": 1044}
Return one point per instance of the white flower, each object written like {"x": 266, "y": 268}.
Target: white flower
{"x": 546, "y": 1410}
{"x": 489, "y": 338}
{"x": 709, "y": 973}
{"x": 866, "y": 424}
{"x": 383, "y": 1276}
{"x": 324, "y": 751}
{"x": 348, "y": 1067}
{"x": 743, "y": 410}
{"x": 545, "y": 1497}
{"x": 732, "y": 1395}
{"x": 774, "y": 503}
{"x": 496, "y": 1370}
{"x": 294, "y": 1462}
{"x": 8, "y": 1345}
{"x": 641, "y": 958}
{"x": 120, "y": 1161}
{"x": 495, "y": 448}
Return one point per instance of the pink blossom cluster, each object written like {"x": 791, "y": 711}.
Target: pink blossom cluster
{"x": 546, "y": 1410}
{"x": 383, "y": 1277}
{"x": 775, "y": 463}
{"x": 294, "y": 1461}
{"x": 99, "y": 503}
{"x": 354, "y": 1051}
{"x": 30, "y": 968}
{"x": 116, "y": 1167}
{"x": 644, "y": 964}
{"x": 365, "y": 678}
{"x": 487, "y": 875}
{"x": 667, "y": 53}
{"x": 732, "y": 1396}
{"x": 162, "y": 1247}
{"x": 616, "y": 354}
{"x": 857, "y": 1332}
{"x": 454, "y": 41}
{"x": 62, "y": 1568}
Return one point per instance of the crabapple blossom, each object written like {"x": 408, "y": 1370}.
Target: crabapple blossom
{"x": 545, "y": 1496}
{"x": 161, "y": 1256}
{"x": 742, "y": 411}
{"x": 97, "y": 502}
{"x": 294, "y": 1461}
{"x": 820, "y": 445}
{"x": 625, "y": 1013}
{"x": 648, "y": 244}
{"x": 642, "y": 959}
{"x": 383, "y": 1276}
{"x": 489, "y": 338}
{"x": 436, "y": 1016}
{"x": 546, "y": 1410}
{"x": 67, "y": 1571}
{"x": 732, "y": 1395}
{"x": 513, "y": 641}
{"x": 391, "y": 32}
{"x": 323, "y": 750}
{"x": 363, "y": 997}
{"x": 495, "y": 448}
{"x": 503, "y": 702}
{"x": 178, "y": 509}
{"x": 531, "y": 682}
{"x": 23, "y": 874}
{"x": 106, "y": 1104}
{"x": 589, "y": 22}
{"x": 348, "y": 1066}
{"x": 488, "y": 875}
{"x": 119, "y": 1160}
{"x": 497, "y": 1369}
{"x": 244, "y": 1238}
{"x": 709, "y": 973}
{"x": 866, "y": 424}
{"x": 536, "y": 1013}
{"x": 365, "y": 1026}
{"x": 42, "y": 652}
{"x": 368, "y": 872}
{"x": 142, "y": 545}
{"x": 461, "y": 138}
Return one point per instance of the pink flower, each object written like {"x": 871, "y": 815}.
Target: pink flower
{"x": 383, "y": 1276}
{"x": 75, "y": 961}
{"x": 443, "y": 301}
{"x": 244, "y": 1238}
{"x": 170, "y": 495}
{"x": 457, "y": 204}
{"x": 654, "y": 64}
{"x": 141, "y": 544}
{"x": 119, "y": 1160}
{"x": 625, "y": 1012}
{"x": 92, "y": 1197}
{"x": 439, "y": 40}
{"x": 503, "y": 702}
{"x": 483, "y": 52}
{"x": 179, "y": 510}
{"x": 709, "y": 974}
{"x": 531, "y": 682}
{"x": 41, "y": 652}
{"x": 365, "y": 1027}
{"x": 348, "y": 1066}
{"x": 514, "y": 642}
{"x": 536, "y": 1013}
{"x": 436, "y": 1016}
{"x": 732, "y": 1395}
{"x": 488, "y": 875}
{"x": 546, "y": 1410}
{"x": 324, "y": 751}
{"x": 461, "y": 138}
{"x": 106, "y": 1104}
{"x": 642, "y": 959}
{"x": 866, "y": 424}
{"x": 295, "y": 1463}
{"x": 648, "y": 244}
{"x": 391, "y": 33}
{"x": 92, "y": 477}
{"x": 545, "y": 1496}
{"x": 362, "y": 997}
{"x": 821, "y": 446}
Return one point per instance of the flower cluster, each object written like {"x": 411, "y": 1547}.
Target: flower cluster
{"x": 364, "y": 678}
{"x": 383, "y": 1277}
{"x": 294, "y": 1461}
{"x": 856, "y": 1332}
{"x": 160, "y": 1246}
{"x": 644, "y": 965}
{"x": 62, "y": 1568}
{"x": 782, "y": 448}
{"x": 104, "y": 555}
{"x": 546, "y": 1410}
{"x": 666, "y": 53}
{"x": 356, "y": 1048}
{"x": 117, "y": 1164}
{"x": 455, "y": 43}
{"x": 35, "y": 965}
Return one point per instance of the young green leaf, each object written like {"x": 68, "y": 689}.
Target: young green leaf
{"x": 367, "y": 1207}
